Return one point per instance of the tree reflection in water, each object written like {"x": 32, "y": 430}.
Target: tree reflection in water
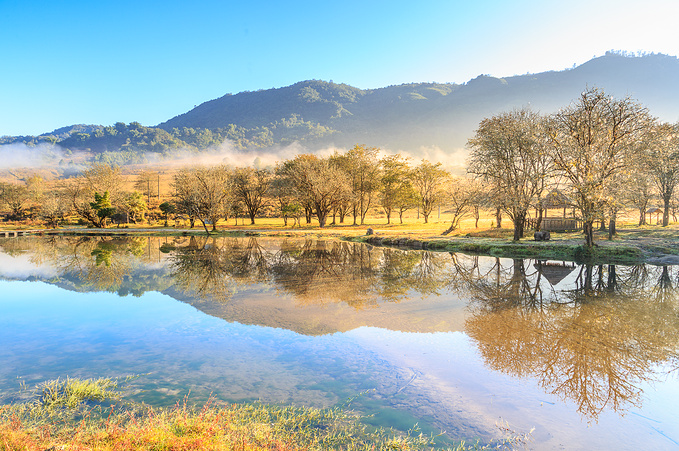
{"x": 207, "y": 269}
{"x": 313, "y": 272}
{"x": 592, "y": 343}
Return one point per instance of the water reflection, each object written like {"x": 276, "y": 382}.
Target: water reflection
{"x": 592, "y": 342}
{"x": 313, "y": 272}
{"x": 591, "y": 335}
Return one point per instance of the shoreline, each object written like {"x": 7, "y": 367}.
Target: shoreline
{"x": 631, "y": 246}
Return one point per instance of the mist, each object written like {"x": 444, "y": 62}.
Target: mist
{"x": 42, "y": 156}
{"x": 62, "y": 162}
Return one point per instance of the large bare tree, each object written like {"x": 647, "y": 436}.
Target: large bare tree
{"x": 508, "y": 152}
{"x": 592, "y": 141}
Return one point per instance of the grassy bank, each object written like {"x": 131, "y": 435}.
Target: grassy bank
{"x": 568, "y": 251}
{"x": 630, "y": 245}
{"x": 77, "y": 414}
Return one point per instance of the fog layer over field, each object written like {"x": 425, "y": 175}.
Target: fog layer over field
{"x": 53, "y": 157}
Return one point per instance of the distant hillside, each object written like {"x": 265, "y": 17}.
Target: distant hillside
{"x": 408, "y": 117}
{"x": 411, "y": 117}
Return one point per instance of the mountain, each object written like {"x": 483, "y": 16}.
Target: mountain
{"x": 412, "y": 116}
{"x": 415, "y": 118}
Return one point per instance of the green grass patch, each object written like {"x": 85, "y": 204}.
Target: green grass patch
{"x": 71, "y": 393}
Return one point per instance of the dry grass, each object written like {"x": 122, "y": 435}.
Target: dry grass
{"x": 69, "y": 415}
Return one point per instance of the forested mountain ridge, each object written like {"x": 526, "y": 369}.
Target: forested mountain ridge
{"x": 409, "y": 117}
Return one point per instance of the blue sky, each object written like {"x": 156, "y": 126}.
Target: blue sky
{"x": 70, "y": 62}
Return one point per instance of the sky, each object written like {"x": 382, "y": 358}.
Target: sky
{"x": 100, "y": 62}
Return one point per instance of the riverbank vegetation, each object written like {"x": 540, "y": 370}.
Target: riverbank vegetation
{"x": 90, "y": 414}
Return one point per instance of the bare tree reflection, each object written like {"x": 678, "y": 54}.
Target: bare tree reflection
{"x": 312, "y": 271}
{"x": 359, "y": 275}
{"x": 594, "y": 345}
{"x": 208, "y": 269}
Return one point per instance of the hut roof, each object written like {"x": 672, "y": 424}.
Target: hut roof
{"x": 554, "y": 272}
{"x": 556, "y": 199}
{"x": 654, "y": 210}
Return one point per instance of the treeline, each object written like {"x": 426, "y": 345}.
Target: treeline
{"x": 130, "y": 143}
{"x": 597, "y": 157}
{"x": 340, "y": 186}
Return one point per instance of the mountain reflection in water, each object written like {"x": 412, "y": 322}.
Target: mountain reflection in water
{"x": 588, "y": 334}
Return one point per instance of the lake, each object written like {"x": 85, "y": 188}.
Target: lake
{"x": 585, "y": 356}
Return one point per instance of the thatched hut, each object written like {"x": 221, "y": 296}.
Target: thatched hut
{"x": 555, "y": 199}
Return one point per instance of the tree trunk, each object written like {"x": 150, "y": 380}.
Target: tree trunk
{"x": 519, "y": 220}
{"x": 204, "y": 226}
{"x": 611, "y": 228}
{"x": 498, "y": 217}
{"x": 642, "y": 216}
{"x": 449, "y": 229}
{"x": 666, "y": 212}
{"x": 612, "y": 277}
{"x": 588, "y": 229}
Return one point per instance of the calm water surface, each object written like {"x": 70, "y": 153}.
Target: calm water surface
{"x": 586, "y": 355}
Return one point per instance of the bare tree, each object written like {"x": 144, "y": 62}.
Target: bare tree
{"x": 250, "y": 186}
{"x": 638, "y": 191}
{"x": 508, "y": 152}
{"x": 203, "y": 193}
{"x": 396, "y": 189}
{"x": 55, "y": 206}
{"x": 430, "y": 182}
{"x": 15, "y": 197}
{"x": 461, "y": 195}
{"x": 320, "y": 183}
{"x": 661, "y": 158}
{"x": 593, "y": 140}
{"x": 95, "y": 181}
